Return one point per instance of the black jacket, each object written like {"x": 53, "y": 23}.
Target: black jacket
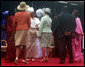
{"x": 62, "y": 23}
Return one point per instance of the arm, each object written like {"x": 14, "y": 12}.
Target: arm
{"x": 29, "y": 21}
{"x": 55, "y": 24}
{"x": 7, "y": 23}
{"x": 38, "y": 24}
{"x": 80, "y": 25}
{"x": 14, "y": 25}
{"x": 41, "y": 27}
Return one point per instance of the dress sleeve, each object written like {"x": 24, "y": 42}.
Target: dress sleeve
{"x": 29, "y": 21}
{"x": 41, "y": 27}
{"x": 14, "y": 24}
{"x": 38, "y": 23}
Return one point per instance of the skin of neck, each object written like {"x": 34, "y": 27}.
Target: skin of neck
{"x": 32, "y": 15}
{"x": 44, "y": 14}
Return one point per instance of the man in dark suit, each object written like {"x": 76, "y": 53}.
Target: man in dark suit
{"x": 64, "y": 25}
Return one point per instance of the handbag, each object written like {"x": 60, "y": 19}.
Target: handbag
{"x": 33, "y": 31}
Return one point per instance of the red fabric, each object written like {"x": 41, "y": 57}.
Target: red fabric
{"x": 9, "y": 23}
{"x": 11, "y": 50}
{"x": 21, "y": 19}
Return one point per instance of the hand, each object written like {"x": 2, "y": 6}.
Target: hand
{"x": 36, "y": 25}
{"x": 67, "y": 33}
{"x": 39, "y": 37}
{"x": 13, "y": 33}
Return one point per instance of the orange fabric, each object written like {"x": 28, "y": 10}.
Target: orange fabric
{"x": 22, "y": 19}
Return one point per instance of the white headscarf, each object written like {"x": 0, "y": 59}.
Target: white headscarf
{"x": 39, "y": 13}
{"x": 30, "y": 10}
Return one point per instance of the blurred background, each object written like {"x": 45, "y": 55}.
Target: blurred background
{"x": 55, "y": 6}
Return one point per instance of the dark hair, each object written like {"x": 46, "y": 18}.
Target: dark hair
{"x": 11, "y": 12}
{"x": 64, "y": 9}
{"x": 75, "y": 13}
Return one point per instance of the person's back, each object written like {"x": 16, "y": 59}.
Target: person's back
{"x": 45, "y": 33}
{"x": 47, "y": 23}
{"x": 21, "y": 23}
{"x": 67, "y": 22}
{"x": 66, "y": 26}
{"x": 22, "y": 18}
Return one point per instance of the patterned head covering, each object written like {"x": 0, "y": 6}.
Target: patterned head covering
{"x": 47, "y": 10}
{"x": 39, "y": 13}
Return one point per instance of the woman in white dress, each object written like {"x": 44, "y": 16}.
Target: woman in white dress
{"x": 32, "y": 48}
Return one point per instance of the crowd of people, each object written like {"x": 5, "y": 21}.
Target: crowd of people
{"x": 30, "y": 33}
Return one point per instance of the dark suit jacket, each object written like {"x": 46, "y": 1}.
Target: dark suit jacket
{"x": 62, "y": 23}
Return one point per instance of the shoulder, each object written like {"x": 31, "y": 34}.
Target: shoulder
{"x": 77, "y": 19}
{"x": 26, "y": 12}
{"x": 36, "y": 18}
{"x": 42, "y": 17}
{"x": 12, "y": 17}
{"x": 46, "y": 17}
{"x": 17, "y": 13}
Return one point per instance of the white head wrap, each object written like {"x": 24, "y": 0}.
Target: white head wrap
{"x": 30, "y": 10}
{"x": 39, "y": 13}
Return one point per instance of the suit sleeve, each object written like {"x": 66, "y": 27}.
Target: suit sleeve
{"x": 74, "y": 25}
{"x": 55, "y": 24}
